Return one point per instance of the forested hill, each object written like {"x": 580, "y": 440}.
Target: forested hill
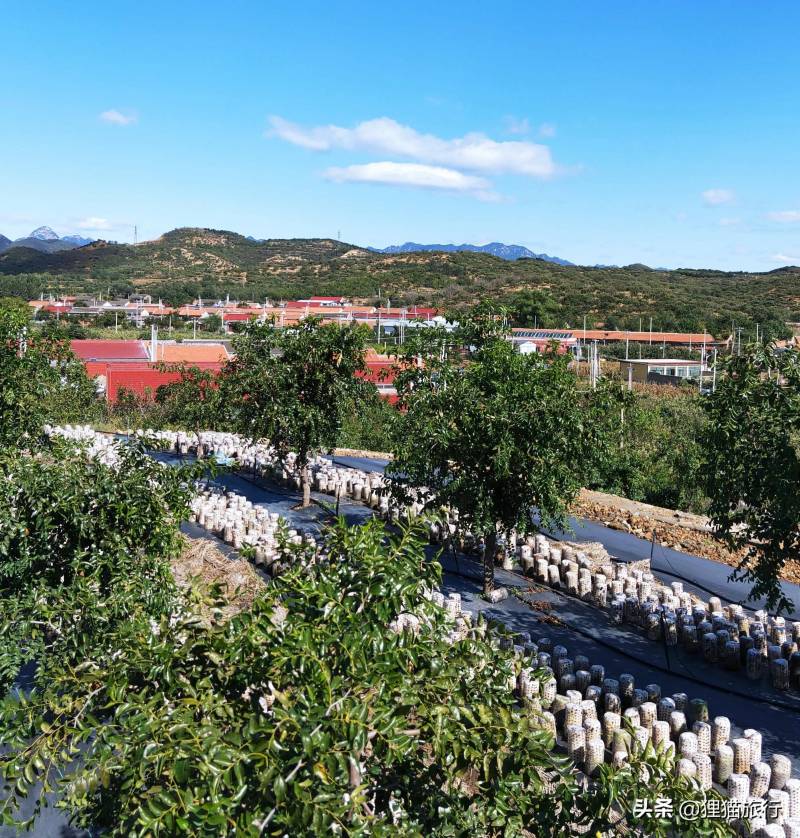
{"x": 190, "y": 261}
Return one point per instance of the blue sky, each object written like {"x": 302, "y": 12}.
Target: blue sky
{"x": 664, "y": 133}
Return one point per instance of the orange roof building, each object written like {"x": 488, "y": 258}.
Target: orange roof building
{"x": 674, "y": 338}
{"x": 191, "y": 353}
{"x": 692, "y": 339}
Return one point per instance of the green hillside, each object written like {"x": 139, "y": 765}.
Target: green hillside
{"x": 189, "y": 261}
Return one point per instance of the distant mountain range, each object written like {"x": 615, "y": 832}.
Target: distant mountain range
{"x": 512, "y": 252}
{"x": 45, "y": 240}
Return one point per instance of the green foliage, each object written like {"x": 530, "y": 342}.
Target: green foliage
{"x": 753, "y": 464}
{"x": 368, "y": 423}
{"x": 212, "y": 323}
{"x": 133, "y": 411}
{"x": 190, "y": 402}
{"x": 304, "y": 715}
{"x": 40, "y": 380}
{"x": 534, "y": 308}
{"x": 657, "y": 450}
{"x": 15, "y": 306}
{"x": 294, "y": 386}
{"x": 64, "y": 329}
{"x": 485, "y": 323}
{"x": 505, "y": 434}
{"x": 649, "y": 775}
{"x": 616, "y": 351}
{"x": 78, "y": 539}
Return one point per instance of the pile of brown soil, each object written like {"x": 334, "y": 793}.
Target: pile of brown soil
{"x": 201, "y": 565}
{"x": 685, "y": 533}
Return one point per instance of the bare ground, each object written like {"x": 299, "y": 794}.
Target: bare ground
{"x": 201, "y": 565}
{"x": 681, "y": 531}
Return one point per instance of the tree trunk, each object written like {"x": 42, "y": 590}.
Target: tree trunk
{"x": 489, "y": 553}
{"x": 305, "y": 476}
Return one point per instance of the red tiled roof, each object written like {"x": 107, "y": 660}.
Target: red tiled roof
{"x": 241, "y": 316}
{"x": 109, "y": 350}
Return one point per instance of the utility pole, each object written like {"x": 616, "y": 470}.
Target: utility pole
{"x": 651, "y": 331}
{"x": 590, "y": 365}
{"x": 714, "y": 373}
{"x": 702, "y": 364}
{"x": 626, "y": 348}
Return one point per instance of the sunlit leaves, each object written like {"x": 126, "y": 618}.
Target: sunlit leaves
{"x": 493, "y": 438}
{"x": 753, "y": 464}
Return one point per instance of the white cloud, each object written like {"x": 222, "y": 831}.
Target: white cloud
{"x": 717, "y": 197}
{"x": 115, "y": 117}
{"x": 95, "y": 223}
{"x": 729, "y": 222}
{"x": 517, "y": 126}
{"x": 785, "y": 216}
{"x": 474, "y": 152}
{"x": 413, "y": 174}
{"x": 514, "y": 125}
{"x": 786, "y": 259}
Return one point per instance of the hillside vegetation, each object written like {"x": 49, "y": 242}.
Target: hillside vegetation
{"x": 190, "y": 261}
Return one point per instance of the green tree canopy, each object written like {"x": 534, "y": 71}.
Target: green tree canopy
{"x": 752, "y": 465}
{"x": 40, "y": 380}
{"x": 494, "y": 439}
{"x": 312, "y": 712}
{"x": 294, "y": 386}
{"x": 16, "y": 306}
{"x": 212, "y": 323}
{"x": 341, "y": 700}
{"x": 535, "y": 308}
{"x": 192, "y": 401}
